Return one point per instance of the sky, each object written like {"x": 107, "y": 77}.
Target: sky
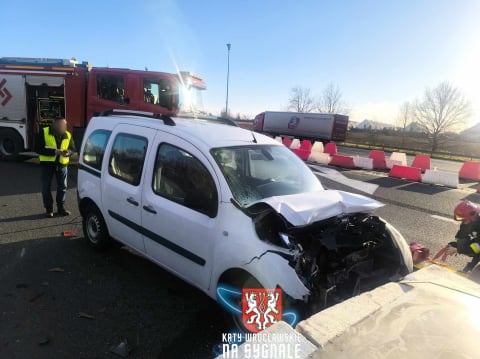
{"x": 379, "y": 53}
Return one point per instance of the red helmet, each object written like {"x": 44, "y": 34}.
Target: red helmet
{"x": 466, "y": 210}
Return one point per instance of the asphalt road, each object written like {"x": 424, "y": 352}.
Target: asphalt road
{"x": 48, "y": 281}
{"x": 441, "y": 165}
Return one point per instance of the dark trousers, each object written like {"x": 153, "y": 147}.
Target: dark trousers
{"x": 60, "y": 173}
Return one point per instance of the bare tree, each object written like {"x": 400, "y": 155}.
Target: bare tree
{"x": 331, "y": 100}
{"x": 404, "y": 118}
{"x": 442, "y": 109}
{"x": 301, "y": 100}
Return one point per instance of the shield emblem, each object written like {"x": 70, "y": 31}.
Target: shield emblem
{"x": 261, "y": 308}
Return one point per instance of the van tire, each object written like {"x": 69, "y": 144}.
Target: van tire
{"x": 11, "y": 144}
{"x": 95, "y": 229}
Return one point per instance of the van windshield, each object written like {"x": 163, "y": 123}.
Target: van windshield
{"x": 256, "y": 172}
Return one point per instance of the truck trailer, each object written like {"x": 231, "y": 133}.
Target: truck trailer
{"x": 34, "y": 91}
{"x": 310, "y": 126}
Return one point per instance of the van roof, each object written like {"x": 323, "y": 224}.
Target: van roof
{"x": 198, "y": 130}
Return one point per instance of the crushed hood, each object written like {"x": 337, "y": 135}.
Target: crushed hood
{"x": 306, "y": 208}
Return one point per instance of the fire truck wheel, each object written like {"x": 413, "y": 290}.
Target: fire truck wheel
{"x": 11, "y": 144}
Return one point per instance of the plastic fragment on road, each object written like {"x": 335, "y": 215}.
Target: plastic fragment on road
{"x": 68, "y": 233}
{"x": 86, "y": 315}
{"x": 122, "y": 349}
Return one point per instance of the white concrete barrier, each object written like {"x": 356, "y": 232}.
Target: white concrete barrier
{"x": 391, "y": 163}
{"x": 448, "y": 179}
{"x": 278, "y": 139}
{"x": 318, "y": 147}
{"x": 319, "y": 157}
{"x": 399, "y": 156}
{"x": 363, "y": 162}
{"x": 295, "y": 144}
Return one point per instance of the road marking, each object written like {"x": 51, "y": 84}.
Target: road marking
{"x": 444, "y": 219}
{"x": 336, "y": 176}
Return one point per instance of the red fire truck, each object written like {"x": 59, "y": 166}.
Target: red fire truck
{"x": 35, "y": 91}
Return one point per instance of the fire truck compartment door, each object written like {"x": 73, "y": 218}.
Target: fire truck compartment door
{"x": 12, "y": 103}
{"x": 44, "y": 80}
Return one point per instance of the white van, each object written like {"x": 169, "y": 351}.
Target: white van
{"x": 218, "y": 205}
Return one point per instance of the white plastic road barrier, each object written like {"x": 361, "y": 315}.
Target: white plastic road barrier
{"x": 319, "y": 157}
{"x": 278, "y": 139}
{"x": 448, "y": 179}
{"x": 391, "y": 163}
{"x": 399, "y": 156}
{"x": 318, "y": 147}
{"x": 295, "y": 144}
{"x": 363, "y": 162}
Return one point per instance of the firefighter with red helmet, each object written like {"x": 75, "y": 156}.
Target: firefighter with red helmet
{"x": 467, "y": 239}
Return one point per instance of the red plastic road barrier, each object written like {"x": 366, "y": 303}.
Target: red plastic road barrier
{"x": 330, "y": 148}
{"x": 422, "y": 162}
{"x": 408, "y": 173}
{"x": 306, "y": 145}
{"x": 287, "y": 142}
{"x": 303, "y": 154}
{"x": 470, "y": 170}
{"x": 342, "y": 161}
{"x": 378, "y": 158}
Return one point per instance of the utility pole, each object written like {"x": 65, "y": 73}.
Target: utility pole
{"x": 228, "y": 76}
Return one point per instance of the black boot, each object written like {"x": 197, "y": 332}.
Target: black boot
{"x": 63, "y": 212}
{"x": 49, "y": 212}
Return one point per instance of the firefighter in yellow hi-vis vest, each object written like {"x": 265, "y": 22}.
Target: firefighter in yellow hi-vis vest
{"x": 55, "y": 146}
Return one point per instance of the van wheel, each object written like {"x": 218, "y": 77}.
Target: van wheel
{"x": 11, "y": 144}
{"x": 94, "y": 229}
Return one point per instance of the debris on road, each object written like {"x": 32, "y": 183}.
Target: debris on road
{"x": 56, "y": 269}
{"x": 69, "y": 234}
{"x": 86, "y": 316}
{"x": 36, "y": 296}
{"x": 122, "y": 349}
{"x": 45, "y": 340}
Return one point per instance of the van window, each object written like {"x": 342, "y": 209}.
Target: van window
{"x": 95, "y": 148}
{"x": 157, "y": 92}
{"x": 127, "y": 158}
{"x": 182, "y": 178}
{"x": 111, "y": 87}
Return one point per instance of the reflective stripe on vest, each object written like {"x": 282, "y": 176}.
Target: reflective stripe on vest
{"x": 475, "y": 248}
{"x": 51, "y": 143}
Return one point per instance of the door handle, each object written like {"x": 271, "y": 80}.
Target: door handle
{"x": 150, "y": 209}
{"x": 131, "y": 200}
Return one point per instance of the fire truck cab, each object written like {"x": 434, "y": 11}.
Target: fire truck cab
{"x": 34, "y": 91}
